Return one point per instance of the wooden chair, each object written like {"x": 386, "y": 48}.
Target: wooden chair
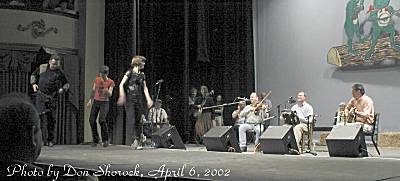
{"x": 309, "y": 135}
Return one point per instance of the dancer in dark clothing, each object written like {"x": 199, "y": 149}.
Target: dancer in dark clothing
{"x": 48, "y": 81}
{"x": 133, "y": 93}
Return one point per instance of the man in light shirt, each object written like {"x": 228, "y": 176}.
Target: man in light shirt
{"x": 158, "y": 115}
{"x": 254, "y": 119}
{"x": 304, "y": 112}
{"x": 361, "y": 107}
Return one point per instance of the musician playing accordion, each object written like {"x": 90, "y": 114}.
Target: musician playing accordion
{"x": 254, "y": 117}
{"x": 304, "y": 112}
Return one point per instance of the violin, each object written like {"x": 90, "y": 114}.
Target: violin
{"x": 260, "y": 105}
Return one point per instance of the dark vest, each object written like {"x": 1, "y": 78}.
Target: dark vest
{"x": 134, "y": 86}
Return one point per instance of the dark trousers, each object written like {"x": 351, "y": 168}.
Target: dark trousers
{"x": 189, "y": 128}
{"x": 46, "y": 106}
{"x": 134, "y": 111}
{"x": 101, "y": 107}
{"x": 47, "y": 125}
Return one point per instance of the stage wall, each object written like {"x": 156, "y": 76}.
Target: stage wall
{"x": 292, "y": 39}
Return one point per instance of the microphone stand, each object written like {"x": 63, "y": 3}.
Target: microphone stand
{"x": 279, "y": 114}
{"x": 157, "y": 93}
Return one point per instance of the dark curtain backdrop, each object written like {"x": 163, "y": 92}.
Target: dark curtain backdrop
{"x": 220, "y": 49}
{"x": 161, "y": 32}
{"x": 17, "y": 64}
{"x": 229, "y": 32}
{"x": 118, "y": 50}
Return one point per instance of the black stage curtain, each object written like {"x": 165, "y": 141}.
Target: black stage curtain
{"x": 220, "y": 49}
{"x": 118, "y": 51}
{"x": 229, "y": 32}
{"x": 161, "y": 32}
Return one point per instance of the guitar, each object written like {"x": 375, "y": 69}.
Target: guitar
{"x": 199, "y": 111}
{"x": 351, "y": 117}
{"x": 201, "y": 107}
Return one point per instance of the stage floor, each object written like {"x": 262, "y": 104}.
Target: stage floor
{"x": 196, "y": 162}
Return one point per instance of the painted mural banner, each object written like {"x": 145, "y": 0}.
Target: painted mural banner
{"x": 364, "y": 49}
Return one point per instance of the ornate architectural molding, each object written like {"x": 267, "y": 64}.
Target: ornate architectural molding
{"x": 38, "y": 28}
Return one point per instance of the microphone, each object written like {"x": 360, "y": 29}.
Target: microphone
{"x": 242, "y": 98}
{"x": 291, "y": 100}
{"x": 169, "y": 97}
{"x": 211, "y": 92}
{"x": 160, "y": 81}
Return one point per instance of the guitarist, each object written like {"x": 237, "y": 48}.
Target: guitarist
{"x": 360, "y": 108}
{"x": 204, "y": 116}
{"x": 303, "y": 111}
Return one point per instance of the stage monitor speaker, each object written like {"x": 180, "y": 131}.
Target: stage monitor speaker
{"x": 221, "y": 138}
{"x": 278, "y": 140}
{"x": 346, "y": 141}
{"x": 168, "y": 137}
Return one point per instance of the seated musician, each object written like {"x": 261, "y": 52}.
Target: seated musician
{"x": 254, "y": 115}
{"x": 360, "y": 109}
{"x": 304, "y": 111}
{"x": 158, "y": 115}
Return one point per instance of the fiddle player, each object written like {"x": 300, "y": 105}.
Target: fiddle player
{"x": 360, "y": 108}
{"x": 304, "y": 112}
{"x": 253, "y": 114}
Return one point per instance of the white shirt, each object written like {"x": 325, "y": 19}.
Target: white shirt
{"x": 303, "y": 111}
{"x": 160, "y": 115}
